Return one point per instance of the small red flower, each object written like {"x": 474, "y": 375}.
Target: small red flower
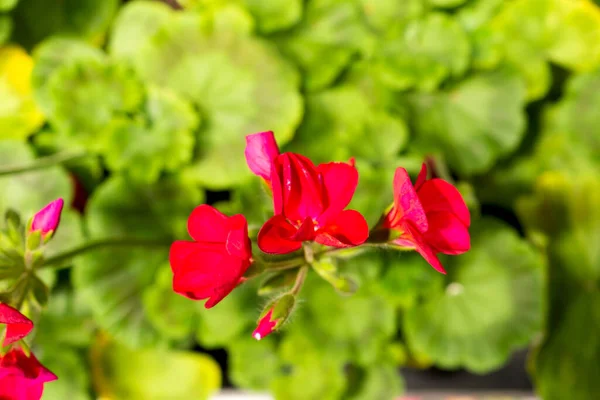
{"x": 261, "y": 151}
{"x": 310, "y": 204}
{"x": 265, "y": 326}
{"x": 22, "y": 377}
{"x": 430, "y": 217}
{"x": 213, "y": 264}
{"x": 47, "y": 219}
{"x": 17, "y": 325}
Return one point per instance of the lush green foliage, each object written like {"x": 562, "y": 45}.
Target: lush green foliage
{"x": 503, "y": 94}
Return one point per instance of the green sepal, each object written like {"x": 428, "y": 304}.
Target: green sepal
{"x": 13, "y": 226}
{"x": 255, "y": 269}
{"x": 327, "y": 269}
{"x": 36, "y": 259}
{"x": 276, "y": 282}
{"x": 39, "y": 290}
{"x": 9, "y": 250}
{"x": 34, "y": 239}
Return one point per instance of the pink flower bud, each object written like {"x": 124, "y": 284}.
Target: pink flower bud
{"x": 265, "y": 326}
{"x": 46, "y": 220}
{"x": 261, "y": 151}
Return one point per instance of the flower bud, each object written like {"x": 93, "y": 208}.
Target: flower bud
{"x": 274, "y": 315}
{"x": 47, "y": 219}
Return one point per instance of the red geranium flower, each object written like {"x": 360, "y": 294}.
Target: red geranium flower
{"x": 213, "y": 264}
{"x": 17, "y": 325}
{"x": 22, "y": 377}
{"x": 430, "y": 217}
{"x": 309, "y": 200}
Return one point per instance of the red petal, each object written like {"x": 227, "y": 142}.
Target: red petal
{"x": 207, "y": 224}
{"x": 17, "y": 325}
{"x": 411, "y": 238}
{"x": 182, "y": 253}
{"x": 305, "y": 232}
{"x": 348, "y": 228}
{"x": 261, "y": 151}
{"x": 275, "y": 236}
{"x": 238, "y": 244}
{"x": 302, "y": 188}
{"x": 406, "y": 202}
{"x": 265, "y": 326}
{"x": 447, "y": 234}
{"x": 439, "y": 195}
{"x": 339, "y": 181}
{"x": 277, "y": 187}
{"x": 422, "y": 178}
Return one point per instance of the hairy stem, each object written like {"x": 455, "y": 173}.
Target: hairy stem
{"x": 299, "y": 279}
{"x": 58, "y": 259}
{"x": 42, "y": 162}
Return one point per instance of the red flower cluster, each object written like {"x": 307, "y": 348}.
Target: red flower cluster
{"x": 309, "y": 203}
{"x": 22, "y": 377}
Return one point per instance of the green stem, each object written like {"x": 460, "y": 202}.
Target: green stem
{"x": 290, "y": 264}
{"x": 58, "y": 259}
{"x": 42, "y": 162}
{"x": 299, "y": 280}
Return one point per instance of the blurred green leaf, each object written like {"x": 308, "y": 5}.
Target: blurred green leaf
{"x": 161, "y": 138}
{"x": 38, "y": 19}
{"x": 346, "y": 122}
{"x": 19, "y": 115}
{"x": 493, "y": 303}
{"x": 244, "y": 353}
{"x": 112, "y": 280}
{"x": 474, "y": 123}
{"x": 123, "y": 373}
{"x": 384, "y": 15}
{"x": 7, "y": 5}
{"x": 566, "y": 365}
{"x": 423, "y": 53}
{"x": 173, "y": 315}
{"x": 381, "y": 382}
{"x": 240, "y": 84}
{"x": 6, "y": 26}
{"x": 275, "y": 15}
{"x": 233, "y": 317}
{"x": 323, "y": 44}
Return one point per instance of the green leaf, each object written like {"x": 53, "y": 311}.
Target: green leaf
{"x": 19, "y": 115}
{"x": 346, "y": 121}
{"x": 7, "y": 5}
{"x": 38, "y": 19}
{"x": 276, "y": 15}
{"x": 173, "y": 315}
{"x": 53, "y": 55}
{"x": 313, "y": 373}
{"x": 475, "y": 123}
{"x": 385, "y": 15}
{"x": 447, "y": 3}
{"x": 561, "y": 31}
{"x": 150, "y": 374}
{"x": 493, "y": 303}
{"x": 331, "y": 33}
{"x": 423, "y": 53}
{"x": 112, "y": 280}
{"x": 244, "y": 353}
{"x": 85, "y": 97}
{"x": 566, "y": 364}
{"x": 379, "y": 382}
{"x": 6, "y": 27}
{"x": 160, "y": 139}
{"x": 240, "y": 84}
{"x": 234, "y": 317}
{"x": 69, "y": 365}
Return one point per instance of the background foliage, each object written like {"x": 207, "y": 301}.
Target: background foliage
{"x": 503, "y": 94}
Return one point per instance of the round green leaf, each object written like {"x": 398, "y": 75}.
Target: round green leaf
{"x": 566, "y": 365}
{"x": 381, "y": 381}
{"x": 385, "y": 15}
{"x": 113, "y": 279}
{"x": 160, "y": 139}
{"x": 493, "y": 303}
{"x": 473, "y": 124}
{"x": 153, "y": 374}
{"x": 240, "y": 84}
{"x": 331, "y": 33}
{"x": 346, "y": 121}
{"x": 423, "y": 54}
